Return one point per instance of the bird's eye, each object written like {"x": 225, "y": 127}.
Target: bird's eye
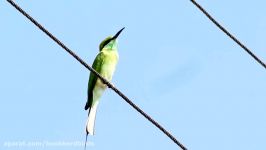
{"x": 106, "y": 42}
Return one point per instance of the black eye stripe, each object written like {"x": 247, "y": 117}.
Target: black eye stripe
{"x": 106, "y": 42}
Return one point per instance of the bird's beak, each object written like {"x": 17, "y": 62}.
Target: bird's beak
{"x": 117, "y": 34}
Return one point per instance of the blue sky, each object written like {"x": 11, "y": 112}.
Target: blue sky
{"x": 174, "y": 63}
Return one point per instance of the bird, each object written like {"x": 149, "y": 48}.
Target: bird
{"x": 105, "y": 64}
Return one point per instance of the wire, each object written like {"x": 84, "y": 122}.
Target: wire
{"x": 229, "y": 34}
{"x": 98, "y": 75}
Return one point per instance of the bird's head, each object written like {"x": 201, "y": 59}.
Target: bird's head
{"x": 110, "y": 42}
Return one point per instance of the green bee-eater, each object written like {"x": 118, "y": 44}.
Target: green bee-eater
{"x": 105, "y": 64}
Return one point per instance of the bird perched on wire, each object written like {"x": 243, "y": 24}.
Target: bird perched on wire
{"x": 105, "y": 64}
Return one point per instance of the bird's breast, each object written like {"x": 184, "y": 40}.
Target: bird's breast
{"x": 109, "y": 65}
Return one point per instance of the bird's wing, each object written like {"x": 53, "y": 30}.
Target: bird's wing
{"x": 97, "y": 65}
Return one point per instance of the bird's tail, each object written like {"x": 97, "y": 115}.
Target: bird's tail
{"x": 91, "y": 119}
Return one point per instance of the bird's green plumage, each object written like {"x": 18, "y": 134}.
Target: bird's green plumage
{"x": 93, "y": 78}
{"x": 104, "y": 64}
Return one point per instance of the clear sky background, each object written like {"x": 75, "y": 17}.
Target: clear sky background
{"x": 174, "y": 63}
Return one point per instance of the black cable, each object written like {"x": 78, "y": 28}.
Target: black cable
{"x": 229, "y": 34}
{"x": 98, "y": 75}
